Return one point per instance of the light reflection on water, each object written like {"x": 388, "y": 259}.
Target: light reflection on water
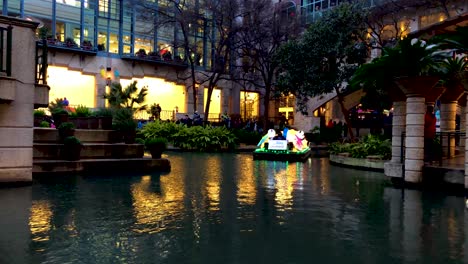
{"x": 227, "y": 208}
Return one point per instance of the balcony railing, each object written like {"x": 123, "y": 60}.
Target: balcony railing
{"x": 5, "y": 50}
{"x": 41, "y": 62}
{"x": 175, "y": 62}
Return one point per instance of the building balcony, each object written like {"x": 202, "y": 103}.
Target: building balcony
{"x": 8, "y": 89}
{"x": 156, "y": 60}
{"x": 55, "y": 45}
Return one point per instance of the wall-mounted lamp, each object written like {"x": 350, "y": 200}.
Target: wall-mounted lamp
{"x": 108, "y": 81}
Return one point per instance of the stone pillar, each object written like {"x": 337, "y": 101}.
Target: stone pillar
{"x": 16, "y": 119}
{"x": 448, "y": 112}
{"x": 414, "y": 142}
{"x": 462, "y": 125}
{"x": 101, "y": 86}
{"x": 398, "y": 127}
{"x": 466, "y": 148}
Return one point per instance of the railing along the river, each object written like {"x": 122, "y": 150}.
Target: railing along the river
{"x": 441, "y": 141}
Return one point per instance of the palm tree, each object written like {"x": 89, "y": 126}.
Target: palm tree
{"x": 128, "y": 97}
{"x": 453, "y": 70}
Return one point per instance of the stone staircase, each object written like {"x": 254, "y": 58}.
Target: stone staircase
{"x": 97, "y": 155}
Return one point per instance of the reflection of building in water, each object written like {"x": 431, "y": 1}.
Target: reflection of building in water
{"x": 40, "y": 221}
{"x": 422, "y": 227}
{"x": 154, "y": 211}
{"x": 284, "y": 186}
{"x": 247, "y": 190}
{"x": 324, "y": 177}
{"x": 213, "y": 182}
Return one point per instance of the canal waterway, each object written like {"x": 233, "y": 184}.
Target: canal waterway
{"x": 227, "y": 208}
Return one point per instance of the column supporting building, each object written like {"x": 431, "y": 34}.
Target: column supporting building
{"x": 448, "y": 112}
{"x": 414, "y": 141}
{"x": 394, "y": 168}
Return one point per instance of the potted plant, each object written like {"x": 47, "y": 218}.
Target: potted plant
{"x": 124, "y": 123}
{"x": 156, "y": 146}
{"x": 38, "y": 116}
{"x": 87, "y": 45}
{"x": 82, "y": 114}
{"x": 154, "y": 55}
{"x": 44, "y": 124}
{"x": 414, "y": 63}
{"x": 66, "y": 129}
{"x": 59, "y": 114}
{"x": 70, "y": 42}
{"x": 453, "y": 72}
{"x": 105, "y": 117}
{"x": 141, "y": 53}
{"x": 71, "y": 148}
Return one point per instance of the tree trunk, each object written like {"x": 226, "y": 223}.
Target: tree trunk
{"x": 345, "y": 113}
{"x": 208, "y": 101}
{"x": 266, "y": 106}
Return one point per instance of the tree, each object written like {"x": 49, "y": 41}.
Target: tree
{"x": 129, "y": 97}
{"x": 326, "y": 57}
{"x": 264, "y": 29}
{"x": 219, "y": 22}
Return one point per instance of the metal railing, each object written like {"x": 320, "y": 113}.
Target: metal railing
{"x": 441, "y": 141}
{"x": 5, "y": 49}
{"x": 41, "y": 62}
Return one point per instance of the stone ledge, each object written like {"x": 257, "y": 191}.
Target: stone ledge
{"x": 363, "y": 164}
{"x": 8, "y": 89}
{"x": 45, "y": 167}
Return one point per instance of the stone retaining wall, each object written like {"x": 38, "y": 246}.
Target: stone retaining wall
{"x": 370, "y": 163}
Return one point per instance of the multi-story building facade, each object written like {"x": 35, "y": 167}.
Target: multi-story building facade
{"x": 394, "y": 19}
{"x": 92, "y": 43}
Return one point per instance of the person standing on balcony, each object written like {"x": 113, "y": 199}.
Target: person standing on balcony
{"x": 158, "y": 112}
{"x": 65, "y": 102}
{"x": 429, "y": 133}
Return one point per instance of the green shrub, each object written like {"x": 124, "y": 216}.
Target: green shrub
{"x": 104, "y": 112}
{"x": 139, "y": 141}
{"x": 197, "y": 138}
{"x": 158, "y": 142}
{"x": 44, "y": 124}
{"x": 369, "y": 145}
{"x": 160, "y": 129}
{"x": 56, "y": 106}
{"x": 204, "y": 138}
{"x": 66, "y": 125}
{"x": 123, "y": 120}
{"x": 71, "y": 141}
{"x": 39, "y": 113}
{"x": 82, "y": 111}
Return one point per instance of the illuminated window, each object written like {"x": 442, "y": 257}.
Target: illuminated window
{"x": 102, "y": 41}
{"x": 249, "y": 105}
{"x": 114, "y": 43}
{"x": 431, "y": 19}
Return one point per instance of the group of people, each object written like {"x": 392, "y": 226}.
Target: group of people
{"x": 195, "y": 121}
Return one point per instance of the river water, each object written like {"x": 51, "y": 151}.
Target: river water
{"x": 227, "y": 208}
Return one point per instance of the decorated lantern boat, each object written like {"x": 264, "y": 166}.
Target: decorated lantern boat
{"x": 286, "y": 145}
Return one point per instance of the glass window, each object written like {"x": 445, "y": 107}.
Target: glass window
{"x": 431, "y": 19}
{"x": 249, "y": 104}
{"x": 127, "y": 43}
{"x": 102, "y": 41}
{"x": 60, "y": 31}
{"x": 114, "y": 43}
{"x": 143, "y": 42}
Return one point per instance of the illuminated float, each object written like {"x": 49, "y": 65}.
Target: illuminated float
{"x": 287, "y": 145}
